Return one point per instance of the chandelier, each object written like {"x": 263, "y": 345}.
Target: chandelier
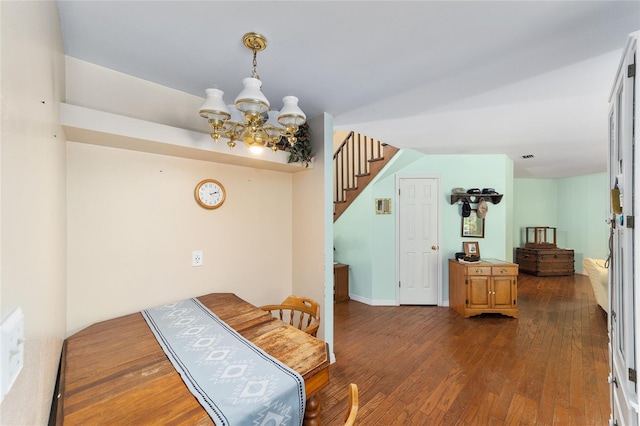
{"x": 250, "y": 119}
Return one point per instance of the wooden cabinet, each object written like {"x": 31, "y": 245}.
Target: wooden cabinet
{"x": 489, "y": 286}
{"x": 545, "y": 262}
{"x": 340, "y": 282}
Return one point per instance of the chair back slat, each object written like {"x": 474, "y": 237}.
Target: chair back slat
{"x": 300, "y": 312}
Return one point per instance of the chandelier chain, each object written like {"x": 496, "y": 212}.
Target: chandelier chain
{"x": 254, "y": 72}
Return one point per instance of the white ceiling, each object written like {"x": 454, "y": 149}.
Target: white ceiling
{"x": 441, "y": 77}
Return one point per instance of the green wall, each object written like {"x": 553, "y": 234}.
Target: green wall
{"x": 352, "y": 243}
{"x": 535, "y": 204}
{"x": 367, "y": 242}
{"x": 576, "y": 206}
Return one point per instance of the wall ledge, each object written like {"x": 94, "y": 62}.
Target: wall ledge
{"x": 95, "y": 127}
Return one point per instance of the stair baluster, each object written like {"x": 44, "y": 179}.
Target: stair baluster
{"x": 356, "y": 162}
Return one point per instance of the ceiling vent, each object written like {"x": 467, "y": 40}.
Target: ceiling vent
{"x": 526, "y": 157}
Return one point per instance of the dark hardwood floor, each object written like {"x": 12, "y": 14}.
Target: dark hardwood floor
{"x": 426, "y": 365}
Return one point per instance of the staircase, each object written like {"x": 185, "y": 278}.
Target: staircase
{"x": 356, "y": 162}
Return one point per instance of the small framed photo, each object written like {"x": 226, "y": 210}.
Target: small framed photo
{"x": 383, "y": 205}
{"x": 472, "y": 226}
{"x": 471, "y": 248}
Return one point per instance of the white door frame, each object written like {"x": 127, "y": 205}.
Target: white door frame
{"x": 439, "y": 226}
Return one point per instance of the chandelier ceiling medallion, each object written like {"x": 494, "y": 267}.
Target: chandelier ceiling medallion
{"x": 250, "y": 119}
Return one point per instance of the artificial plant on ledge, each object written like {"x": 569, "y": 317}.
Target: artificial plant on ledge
{"x": 299, "y": 152}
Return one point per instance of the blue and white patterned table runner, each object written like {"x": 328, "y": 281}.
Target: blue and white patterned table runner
{"x": 236, "y": 382}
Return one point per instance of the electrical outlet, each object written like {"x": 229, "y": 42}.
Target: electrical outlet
{"x": 196, "y": 258}
{"x": 12, "y": 350}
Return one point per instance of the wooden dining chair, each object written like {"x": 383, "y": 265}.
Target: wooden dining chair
{"x": 353, "y": 405}
{"x": 300, "y": 312}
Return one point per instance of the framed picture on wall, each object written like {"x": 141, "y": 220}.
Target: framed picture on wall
{"x": 473, "y": 226}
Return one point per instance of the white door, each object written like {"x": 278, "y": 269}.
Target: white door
{"x": 418, "y": 263}
{"x": 622, "y": 276}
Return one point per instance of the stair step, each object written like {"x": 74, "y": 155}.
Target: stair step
{"x": 373, "y": 160}
{"x": 363, "y": 175}
{"x": 355, "y": 188}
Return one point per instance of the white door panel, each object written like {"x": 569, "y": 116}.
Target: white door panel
{"x": 418, "y": 241}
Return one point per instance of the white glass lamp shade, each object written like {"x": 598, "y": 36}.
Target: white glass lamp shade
{"x": 273, "y": 128}
{"x": 251, "y": 100}
{"x": 236, "y": 116}
{"x": 273, "y": 119}
{"x": 213, "y": 107}
{"x": 291, "y": 115}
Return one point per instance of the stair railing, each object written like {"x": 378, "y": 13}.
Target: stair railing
{"x": 352, "y": 159}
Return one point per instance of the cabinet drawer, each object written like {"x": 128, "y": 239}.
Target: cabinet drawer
{"x": 504, "y": 270}
{"x": 478, "y": 270}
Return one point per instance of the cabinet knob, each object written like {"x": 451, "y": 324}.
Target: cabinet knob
{"x": 478, "y": 271}
{"x": 503, "y": 271}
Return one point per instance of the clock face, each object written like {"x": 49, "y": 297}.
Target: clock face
{"x": 210, "y": 194}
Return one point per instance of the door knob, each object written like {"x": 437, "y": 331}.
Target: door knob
{"x": 434, "y": 248}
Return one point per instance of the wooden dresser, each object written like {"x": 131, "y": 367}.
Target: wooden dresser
{"x": 545, "y": 261}
{"x": 489, "y": 286}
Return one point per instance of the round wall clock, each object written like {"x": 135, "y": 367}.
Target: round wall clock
{"x": 210, "y": 194}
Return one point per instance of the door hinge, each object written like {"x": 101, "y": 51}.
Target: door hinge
{"x": 466, "y": 301}
{"x": 630, "y": 221}
{"x": 631, "y": 70}
{"x": 398, "y": 192}
{"x": 632, "y": 375}
{"x": 466, "y": 281}
{"x": 514, "y": 302}
{"x": 399, "y": 284}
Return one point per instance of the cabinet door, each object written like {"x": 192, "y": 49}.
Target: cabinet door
{"x": 503, "y": 292}
{"x": 478, "y": 292}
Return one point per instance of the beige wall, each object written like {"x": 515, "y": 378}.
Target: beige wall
{"x": 32, "y": 194}
{"x": 92, "y": 86}
{"x": 133, "y": 223}
{"x": 90, "y": 232}
{"x": 130, "y": 248}
{"x": 313, "y": 226}
{"x": 248, "y": 243}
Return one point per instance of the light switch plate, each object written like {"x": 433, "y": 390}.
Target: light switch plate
{"x": 11, "y": 350}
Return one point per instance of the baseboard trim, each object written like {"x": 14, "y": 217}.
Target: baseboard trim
{"x": 372, "y": 302}
{"x": 384, "y": 302}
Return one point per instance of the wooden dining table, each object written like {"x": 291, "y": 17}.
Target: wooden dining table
{"x": 115, "y": 372}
